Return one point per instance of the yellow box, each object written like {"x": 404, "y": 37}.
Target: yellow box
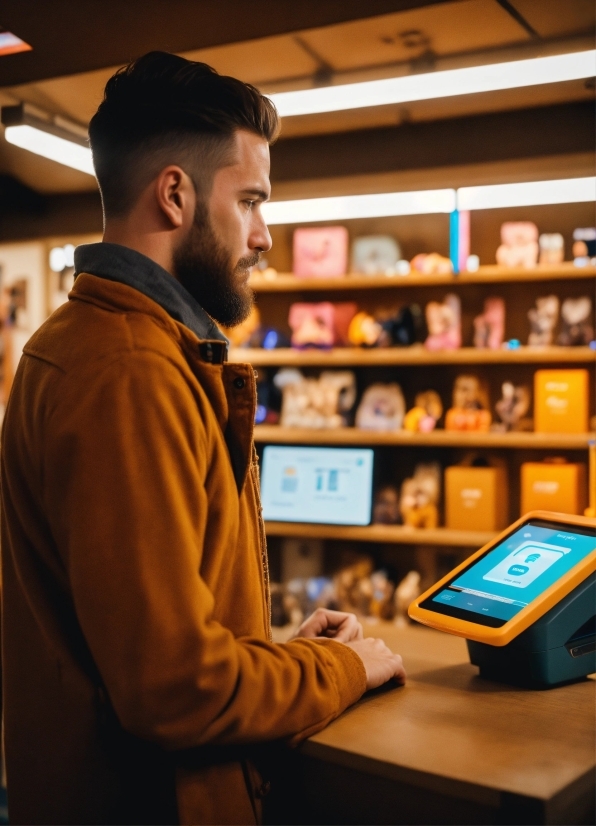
{"x": 553, "y": 486}
{"x": 561, "y": 401}
{"x": 476, "y": 498}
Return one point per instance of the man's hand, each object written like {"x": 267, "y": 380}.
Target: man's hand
{"x": 380, "y": 663}
{"x": 336, "y": 625}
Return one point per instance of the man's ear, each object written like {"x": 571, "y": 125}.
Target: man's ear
{"x": 175, "y": 196}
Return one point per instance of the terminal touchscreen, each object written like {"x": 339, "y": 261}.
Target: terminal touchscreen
{"x": 507, "y": 585}
{"x": 325, "y": 485}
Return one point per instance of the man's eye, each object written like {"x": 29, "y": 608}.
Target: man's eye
{"x": 250, "y": 204}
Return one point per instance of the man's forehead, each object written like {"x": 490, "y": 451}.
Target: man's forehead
{"x": 250, "y": 163}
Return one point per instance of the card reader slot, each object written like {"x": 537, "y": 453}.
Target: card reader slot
{"x": 584, "y": 640}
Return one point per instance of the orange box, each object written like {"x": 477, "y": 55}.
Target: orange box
{"x": 553, "y": 486}
{"x": 476, "y": 498}
{"x": 561, "y": 401}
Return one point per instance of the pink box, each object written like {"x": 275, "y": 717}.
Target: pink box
{"x": 320, "y": 252}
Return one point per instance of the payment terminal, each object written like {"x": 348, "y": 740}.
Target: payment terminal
{"x": 526, "y": 602}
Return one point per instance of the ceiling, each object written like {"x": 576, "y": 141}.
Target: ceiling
{"x": 285, "y": 54}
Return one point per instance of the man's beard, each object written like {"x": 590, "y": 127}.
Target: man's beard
{"x": 204, "y": 267}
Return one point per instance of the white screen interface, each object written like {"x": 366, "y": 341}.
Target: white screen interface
{"x": 324, "y": 485}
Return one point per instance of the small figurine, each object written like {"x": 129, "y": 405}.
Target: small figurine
{"x": 312, "y": 325}
{"x": 444, "y": 324}
{"x": 512, "y": 407}
{"x": 431, "y": 264}
{"x": 402, "y": 328}
{"x": 489, "y": 328}
{"x": 576, "y": 317}
{"x": 420, "y": 496}
{"x": 405, "y": 593}
{"x": 364, "y": 330}
{"x": 320, "y": 252}
{"x": 470, "y": 406}
{"x": 552, "y": 248}
{"x": 382, "y": 408}
{"x": 386, "y": 506}
{"x": 584, "y": 246}
{"x": 316, "y": 403}
{"x": 381, "y": 605}
{"x": 519, "y": 244}
{"x": 375, "y": 255}
{"x": 543, "y": 320}
{"x": 425, "y": 414}
{"x": 352, "y": 586}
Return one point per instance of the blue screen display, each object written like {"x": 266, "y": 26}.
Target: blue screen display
{"x": 516, "y": 571}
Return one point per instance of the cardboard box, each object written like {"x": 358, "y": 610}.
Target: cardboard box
{"x": 561, "y": 401}
{"x": 476, "y": 498}
{"x": 553, "y": 486}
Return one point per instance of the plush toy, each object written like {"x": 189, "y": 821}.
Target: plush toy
{"x": 552, "y": 248}
{"x": 519, "y": 244}
{"x": 419, "y": 497}
{"x": 431, "y": 264}
{"x": 405, "y": 593}
{"x": 382, "y": 605}
{"x": 352, "y": 586}
{"x": 489, "y": 328}
{"x": 576, "y": 317}
{"x": 312, "y": 325}
{"x": 470, "y": 405}
{"x": 386, "y": 506}
{"x": 316, "y": 403}
{"x": 444, "y": 324}
{"x": 375, "y": 255}
{"x": 425, "y": 414}
{"x": 320, "y": 251}
{"x": 512, "y": 407}
{"x": 584, "y": 246}
{"x": 382, "y": 408}
{"x": 543, "y": 320}
{"x": 402, "y": 328}
{"x": 364, "y": 330}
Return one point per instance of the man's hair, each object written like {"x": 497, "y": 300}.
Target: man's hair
{"x": 163, "y": 109}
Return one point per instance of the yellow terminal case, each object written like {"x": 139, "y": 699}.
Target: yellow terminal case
{"x": 527, "y": 616}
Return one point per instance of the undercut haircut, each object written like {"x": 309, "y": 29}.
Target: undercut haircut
{"x": 163, "y": 109}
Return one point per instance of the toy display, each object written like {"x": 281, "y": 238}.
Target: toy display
{"x": 519, "y": 244}
{"x": 320, "y": 252}
{"x": 543, "y": 320}
{"x": 553, "y": 485}
{"x": 489, "y": 328}
{"x": 512, "y": 407}
{"x": 382, "y": 408}
{"x": 476, "y": 496}
{"x": 420, "y": 496}
{"x": 402, "y": 328}
{"x": 561, "y": 401}
{"x": 375, "y": 255}
{"x": 364, "y": 330}
{"x": 444, "y": 324}
{"x": 470, "y": 405}
{"x": 431, "y": 264}
{"x": 386, "y": 506}
{"x": 320, "y": 325}
{"x": 316, "y": 403}
{"x": 584, "y": 246}
{"x": 552, "y": 248}
{"x": 576, "y": 314}
{"x": 427, "y": 410}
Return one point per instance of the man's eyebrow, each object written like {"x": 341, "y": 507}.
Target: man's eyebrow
{"x": 259, "y": 194}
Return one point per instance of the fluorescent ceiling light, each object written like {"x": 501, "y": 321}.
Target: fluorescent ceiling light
{"x": 344, "y": 207}
{"x": 54, "y": 138}
{"x": 533, "y": 193}
{"x": 466, "y": 81}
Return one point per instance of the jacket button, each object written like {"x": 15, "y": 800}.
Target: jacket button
{"x": 263, "y": 789}
{"x": 239, "y": 383}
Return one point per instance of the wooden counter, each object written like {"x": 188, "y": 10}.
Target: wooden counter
{"x": 450, "y": 747}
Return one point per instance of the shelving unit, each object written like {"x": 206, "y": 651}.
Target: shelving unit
{"x": 390, "y": 534}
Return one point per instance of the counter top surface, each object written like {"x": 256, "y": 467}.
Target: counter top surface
{"x": 448, "y": 726}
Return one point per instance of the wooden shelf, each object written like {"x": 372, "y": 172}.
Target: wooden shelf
{"x": 275, "y": 434}
{"x": 286, "y": 282}
{"x": 416, "y": 354}
{"x": 397, "y": 534}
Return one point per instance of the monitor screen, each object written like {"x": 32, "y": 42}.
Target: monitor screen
{"x": 495, "y": 587}
{"x": 325, "y": 485}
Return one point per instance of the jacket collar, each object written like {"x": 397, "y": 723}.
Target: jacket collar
{"x": 127, "y": 266}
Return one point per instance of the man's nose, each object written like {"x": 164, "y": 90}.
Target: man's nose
{"x": 260, "y": 238}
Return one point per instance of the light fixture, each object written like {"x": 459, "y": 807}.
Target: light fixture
{"x": 345, "y": 207}
{"x": 531, "y": 193}
{"x": 11, "y": 44}
{"x": 53, "y": 137}
{"x": 469, "y": 80}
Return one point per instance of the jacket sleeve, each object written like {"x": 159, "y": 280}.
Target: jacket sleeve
{"x": 124, "y": 472}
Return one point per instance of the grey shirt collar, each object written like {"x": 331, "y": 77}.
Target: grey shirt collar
{"x": 117, "y": 263}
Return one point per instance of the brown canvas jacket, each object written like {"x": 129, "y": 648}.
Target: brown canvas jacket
{"x": 137, "y": 663}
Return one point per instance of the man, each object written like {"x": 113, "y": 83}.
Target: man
{"x": 139, "y": 672}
